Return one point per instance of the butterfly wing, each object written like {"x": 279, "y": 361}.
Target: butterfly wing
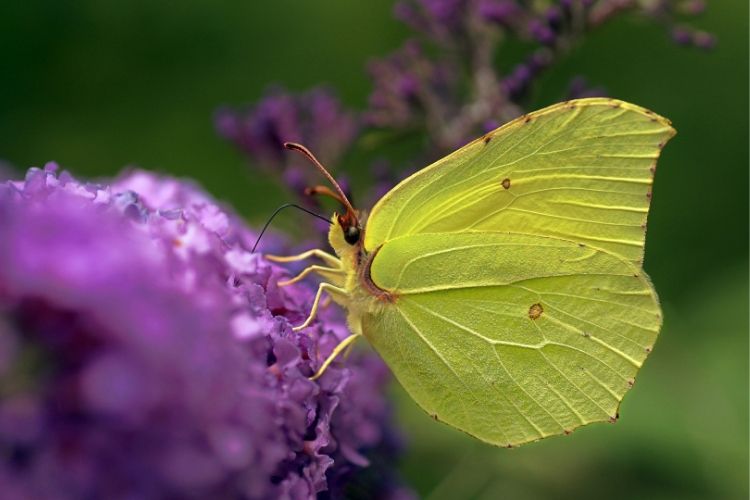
{"x": 512, "y": 337}
{"x": 580, "y": 170}
{"x": 520, "y": 310}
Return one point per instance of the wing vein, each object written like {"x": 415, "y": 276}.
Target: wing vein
{"x": 476, "y": 334}
{"x": 554, "y": 366}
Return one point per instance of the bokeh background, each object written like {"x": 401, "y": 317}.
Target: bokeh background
{"x": 99, "y": 85}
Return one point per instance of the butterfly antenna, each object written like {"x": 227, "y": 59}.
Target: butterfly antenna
{"x": 325, "y": 191}
{"x": 307, "y": 154}
{"x": 282, "y": 207}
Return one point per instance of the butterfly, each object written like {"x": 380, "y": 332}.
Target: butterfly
{"x": 503, "y": 284}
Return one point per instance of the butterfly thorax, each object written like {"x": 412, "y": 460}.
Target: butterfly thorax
{"x": 363, "y": 295}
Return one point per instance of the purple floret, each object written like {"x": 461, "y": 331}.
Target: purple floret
{"x": 146, "y": 353}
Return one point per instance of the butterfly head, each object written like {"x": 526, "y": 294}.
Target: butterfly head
{"x": 350, "y": 228}
{"x": 346, "y": 236}
{"x": 345, "y": 228}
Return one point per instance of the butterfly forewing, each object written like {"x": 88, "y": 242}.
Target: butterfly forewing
{"x": 580, "y": 170}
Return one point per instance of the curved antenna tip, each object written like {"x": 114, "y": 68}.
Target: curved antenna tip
{"x": 276, "y": 212}
{"x": 311, "y": 157}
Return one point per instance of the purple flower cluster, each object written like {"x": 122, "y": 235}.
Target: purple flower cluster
{"x": 315, "y": 119}
{"x": 146, "y": 353}
{"x": 465, "y": 37}
{"x": 319, "y": 121}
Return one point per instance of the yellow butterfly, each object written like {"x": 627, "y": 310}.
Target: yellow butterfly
{"x": 503, "y": 284}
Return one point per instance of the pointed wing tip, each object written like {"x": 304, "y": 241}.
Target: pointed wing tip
{"x": 618, "y": 103}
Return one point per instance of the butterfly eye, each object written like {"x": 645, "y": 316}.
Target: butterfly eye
{"x": 351, "y": 235}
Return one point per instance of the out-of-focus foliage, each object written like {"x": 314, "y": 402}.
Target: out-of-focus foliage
{"x": 100, "y": 84}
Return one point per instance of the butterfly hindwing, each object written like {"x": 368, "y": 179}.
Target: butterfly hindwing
{"x": 510, "y": 337}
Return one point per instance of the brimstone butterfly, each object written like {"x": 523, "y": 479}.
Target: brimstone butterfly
{"x": 503, "y": 284}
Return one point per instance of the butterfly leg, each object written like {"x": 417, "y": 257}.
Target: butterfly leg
{"x": 324, "y": 287}
{"x": 344, "y": 344}
{"x": 332, "y": 274}
{"x": 316, "y": 252}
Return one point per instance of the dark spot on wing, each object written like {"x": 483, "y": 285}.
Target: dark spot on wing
{"x": 535, "y": 311}
{"x": 506, "y": 183}
{"x": 527, "y": 119}
{"x": 487, "y": 139}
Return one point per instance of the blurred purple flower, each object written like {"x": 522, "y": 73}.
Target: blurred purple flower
{"x": 693, "y": 7}
{"x": 682, "y": 36}
{"x": 542, "y": 32}
{"x": 687, "y": 36}
{"x": 146, "y": 353}
{"x": 518, "y": 82}
{"x": 437, "y": 19}
{"x": 443, "y": 84}
{"x": 503, "y": 12}
{"x": 407, "y": 85}
{"x": 704, "y": 40}
{"x": 462, "y": 38}
{"x": 316, "y": 119}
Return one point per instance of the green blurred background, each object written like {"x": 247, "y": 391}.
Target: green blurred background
{"x": 98, "y": 85}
